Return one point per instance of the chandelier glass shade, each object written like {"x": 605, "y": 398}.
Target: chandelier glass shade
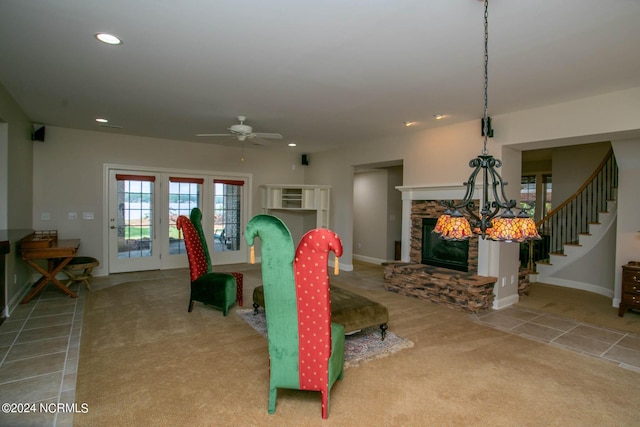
{"x": 495, "y": 219}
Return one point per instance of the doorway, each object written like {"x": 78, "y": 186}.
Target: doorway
{"x": 143, "y": 206}
{"x": 377, "y": 205}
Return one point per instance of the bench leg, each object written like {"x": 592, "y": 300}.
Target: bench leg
{"x": 255, "y": 308}
{"x": 383, "y": 330}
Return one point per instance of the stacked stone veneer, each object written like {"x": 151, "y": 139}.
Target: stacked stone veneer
{"x": 459, "y": 290}
{"x": 455, "y": 289}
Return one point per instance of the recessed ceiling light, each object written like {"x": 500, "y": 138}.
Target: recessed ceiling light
{"x": 101, "y": 120}
{"x": 438, "y": 116}
{"x": 407, "y": 123}
{"x": 292, "y": 144}
{"x": 108, "y": 38}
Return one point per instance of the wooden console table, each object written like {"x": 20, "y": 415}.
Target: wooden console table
{"x": 630, "y": 298}
{"x": 58, "y": 253}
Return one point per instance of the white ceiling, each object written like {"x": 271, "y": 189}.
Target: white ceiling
{"x": 322, "y": 73}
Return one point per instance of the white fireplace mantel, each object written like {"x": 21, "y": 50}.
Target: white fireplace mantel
{"x": 435, "y": 192}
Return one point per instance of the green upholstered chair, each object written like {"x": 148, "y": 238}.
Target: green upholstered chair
{"x": 196, "y": 220}
{"x": 216, "y": 289}
{"x": 306, "y": 350}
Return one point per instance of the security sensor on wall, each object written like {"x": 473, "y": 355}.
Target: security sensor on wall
{"x": 37, "y": 133}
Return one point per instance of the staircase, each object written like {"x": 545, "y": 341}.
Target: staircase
{"x": 578, "y": 246}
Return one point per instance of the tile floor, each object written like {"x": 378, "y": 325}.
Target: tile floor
{"x": 619, "y": 347}
{"x": 40, "y": 342}
{"x": 39, "y": 348}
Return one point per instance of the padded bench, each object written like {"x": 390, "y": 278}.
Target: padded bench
{"x": 351, "y": 310}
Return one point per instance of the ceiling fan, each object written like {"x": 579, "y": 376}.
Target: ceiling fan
{"x": 242, "y": 132}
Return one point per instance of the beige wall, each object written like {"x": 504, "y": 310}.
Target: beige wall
{"x": 69, "y": 175}
{"x": 16, "y": 196}
{"x": 68, "y": 167}
{"x": 394, "y": 209}
{"x": 370, "y": 215}
{"x": 16, "y": 166}
{"x": 572, "y": 166}
{"x": 628, "y": 225}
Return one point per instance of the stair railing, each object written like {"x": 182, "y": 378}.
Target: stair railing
{"x": 571, "y": 218}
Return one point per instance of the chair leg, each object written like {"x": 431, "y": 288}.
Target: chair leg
{"x": 325, "y": 404}
{"x": 273, "y": 393}
{"x": 383, "y": 329}
{"x": 190, "y": 305}
{"x": 239, "y": 281}
{"x": 255, "y": 308}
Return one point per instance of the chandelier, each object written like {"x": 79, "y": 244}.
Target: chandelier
{"x": 496, "y": 219}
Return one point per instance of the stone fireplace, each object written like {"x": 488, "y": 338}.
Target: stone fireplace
{"x": 428, "y": 211}
{"x": 460, "y": 288}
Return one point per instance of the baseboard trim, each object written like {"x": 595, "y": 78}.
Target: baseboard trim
{"x": 370, "y": 260}
{"x": 499, "y": 304}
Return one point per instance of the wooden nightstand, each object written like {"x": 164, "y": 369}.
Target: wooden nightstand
{"x": 630, "y": 297}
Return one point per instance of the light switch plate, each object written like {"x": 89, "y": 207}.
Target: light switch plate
{"x": 72, "y": 215}
{"x": 87, "y": 215}
{"x": 45, "y": 216}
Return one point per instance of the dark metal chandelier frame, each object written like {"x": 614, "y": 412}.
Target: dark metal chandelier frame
{"x": 492, "y": 224}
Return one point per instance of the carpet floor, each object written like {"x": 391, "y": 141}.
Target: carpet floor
{"x": 145, "y": 361}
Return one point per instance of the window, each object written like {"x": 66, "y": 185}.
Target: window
{"x": 528, "y": 194}
{"x": 184, "y": 195}
{"x": 546, "y": 185}
{"x": 135, "y": 213}
{"x": 227, "y": 215}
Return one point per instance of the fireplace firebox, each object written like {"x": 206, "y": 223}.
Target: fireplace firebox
{"x": 443, "y": 253}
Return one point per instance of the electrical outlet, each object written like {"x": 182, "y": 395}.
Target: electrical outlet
{"x": 504, "y": 281}
{"x": 513, "y": 279}
{"x": 72, "y": 215}
{"x": 45, "y": 216}
{"x": 87, "y": 215}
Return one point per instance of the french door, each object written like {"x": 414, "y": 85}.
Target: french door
{"x": 133, "y": 221}
{"x": 143, "y": 207}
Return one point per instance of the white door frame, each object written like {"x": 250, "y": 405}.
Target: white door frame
{"x": 207, "y": 204}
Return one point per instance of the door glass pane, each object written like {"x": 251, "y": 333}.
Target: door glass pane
{"x": 135, "y": 214}
{"x": 528, "y": 194}
{"x": 227, "y": 214}
{"x": 547, "y": 193}
{"x": 183, "y": 196}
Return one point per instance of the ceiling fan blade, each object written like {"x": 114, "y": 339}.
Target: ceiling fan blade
{"x": 268, "y": 135}
{"x": 214, "y": 134}
{"x": 261, "y": 142}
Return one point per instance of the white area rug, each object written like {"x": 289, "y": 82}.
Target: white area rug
{"x": 359, "y": 347}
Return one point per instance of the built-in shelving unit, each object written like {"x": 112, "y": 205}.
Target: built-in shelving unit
{"x": 298, "y": 198}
